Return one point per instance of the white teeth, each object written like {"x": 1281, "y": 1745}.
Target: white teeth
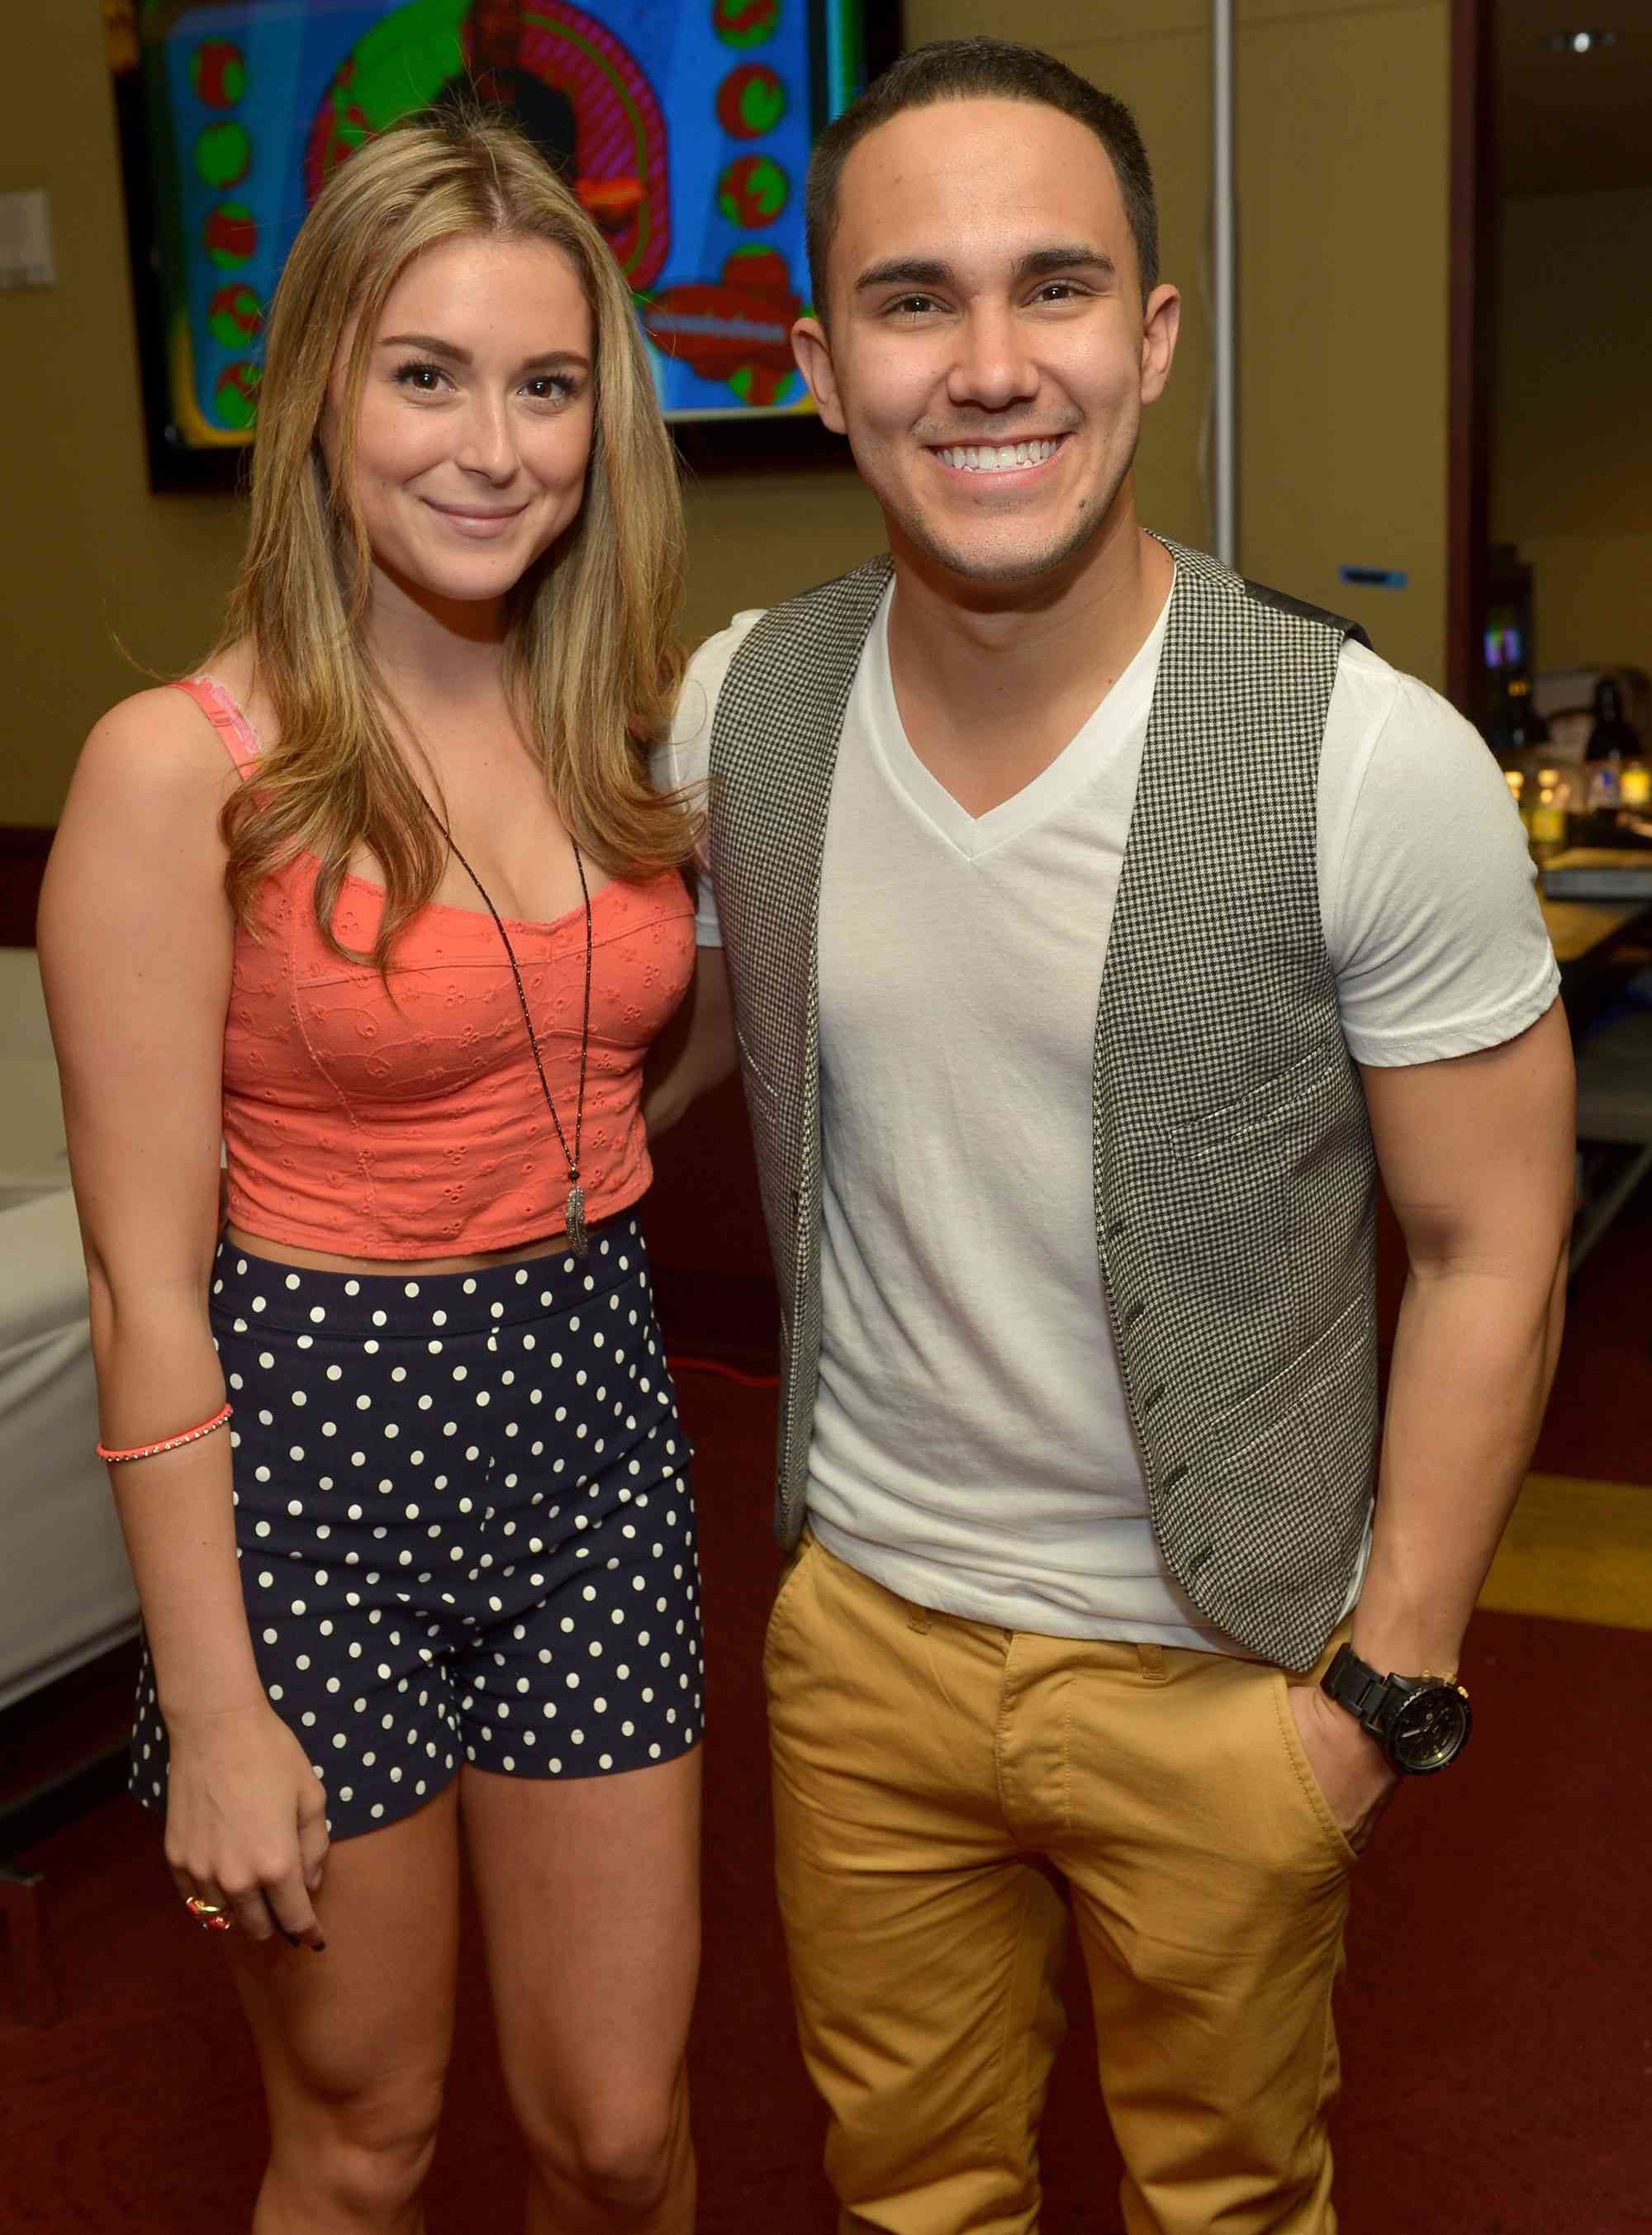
{"x": 990, "y": 458}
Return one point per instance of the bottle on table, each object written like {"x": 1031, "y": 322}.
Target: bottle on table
{"x": 1527, "y": 728}
{"x": 1619, "y": 776}
{"x": 1548, "y": 822}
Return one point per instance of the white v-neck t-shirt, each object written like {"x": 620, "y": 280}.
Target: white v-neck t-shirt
{"x": 971, "y": 1445}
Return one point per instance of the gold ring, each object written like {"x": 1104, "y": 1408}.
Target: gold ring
{"x": 209, "y": 1914}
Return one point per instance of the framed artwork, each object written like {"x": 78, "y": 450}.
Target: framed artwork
{"x": 684, "y": 126}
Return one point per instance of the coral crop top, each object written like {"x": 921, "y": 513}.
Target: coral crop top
{"x": 415, "y": 1128}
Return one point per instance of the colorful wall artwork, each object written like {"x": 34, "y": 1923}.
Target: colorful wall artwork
{"x": 684, "y": 126}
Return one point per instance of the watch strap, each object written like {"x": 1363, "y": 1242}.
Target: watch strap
{"x": 1377, "y": 1702}
{"x": 1357, "y": 1687}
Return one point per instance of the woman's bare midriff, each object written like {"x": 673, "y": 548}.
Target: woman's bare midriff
{"x": 319, "y": 1261}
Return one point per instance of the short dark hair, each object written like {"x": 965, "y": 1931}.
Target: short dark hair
{"x": 977, "y": 69}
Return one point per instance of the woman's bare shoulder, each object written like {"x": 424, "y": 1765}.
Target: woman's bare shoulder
{"x": 156, "y": 744}
{"x": 139, "y": 840}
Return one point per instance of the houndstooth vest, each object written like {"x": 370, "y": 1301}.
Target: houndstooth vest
{"x": 1235, "y": 1180}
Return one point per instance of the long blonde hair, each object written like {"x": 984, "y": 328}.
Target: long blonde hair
{"x": 591, "y": 660}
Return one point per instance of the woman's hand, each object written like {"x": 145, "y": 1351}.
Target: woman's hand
{"x": 247, "y": 1821}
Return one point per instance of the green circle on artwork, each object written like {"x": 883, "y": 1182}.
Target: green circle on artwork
{"x": 218, "y": 73}
{"x": 753, "y": 190}
{"x": 762, "y": 386}
{"x": 235, "y": 315}
{"x": 236, "y": 395}
{"x": 751, "y": 101}
{"x": 224, "y": 154}
{"x": 231, "y": 234}
{"x": 744, "y": 22}
{"x": 762, "y": 105}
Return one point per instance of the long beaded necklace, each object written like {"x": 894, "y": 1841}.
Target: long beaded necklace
{"x": 579, "y": 1239}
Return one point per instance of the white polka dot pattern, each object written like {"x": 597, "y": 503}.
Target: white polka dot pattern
{"x": 509, "y": 1523}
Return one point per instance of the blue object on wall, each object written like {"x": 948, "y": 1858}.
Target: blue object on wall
{"x": 1374, "y": 578}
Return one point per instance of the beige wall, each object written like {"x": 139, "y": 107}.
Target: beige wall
{"x": 88, "y": 554}
{"x": 1343, "y": 272}
{"x": 1344, "y": 191}
{"x": 1571, "y": 433}
{"x": 1343, "y": 250}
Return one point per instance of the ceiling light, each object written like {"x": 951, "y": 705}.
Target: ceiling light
{"x": 1582, "y": 42}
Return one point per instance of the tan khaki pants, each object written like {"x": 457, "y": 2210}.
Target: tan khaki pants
{"x": 934, "y": 1782}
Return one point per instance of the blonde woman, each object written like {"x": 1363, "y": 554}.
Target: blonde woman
{"x": 384, "y": 898}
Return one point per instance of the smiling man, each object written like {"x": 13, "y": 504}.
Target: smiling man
{"x": 1100, "y": 927}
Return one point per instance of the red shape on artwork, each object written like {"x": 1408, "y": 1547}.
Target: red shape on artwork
{"x": 741, "y": 322}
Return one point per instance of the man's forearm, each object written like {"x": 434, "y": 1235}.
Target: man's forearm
{"x": 1474, "y": 1355}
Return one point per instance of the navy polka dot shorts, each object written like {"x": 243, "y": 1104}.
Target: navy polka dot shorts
{"x": 465, "y": 1523}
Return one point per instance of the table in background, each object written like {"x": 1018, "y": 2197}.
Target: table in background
{"x": 1585, "y": 934}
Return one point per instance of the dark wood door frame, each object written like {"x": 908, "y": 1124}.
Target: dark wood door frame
{"x": 1472, "y": 267}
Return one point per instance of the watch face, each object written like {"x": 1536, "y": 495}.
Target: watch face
{"x": 1430, "y": 1728}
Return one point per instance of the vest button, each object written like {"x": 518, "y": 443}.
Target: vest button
{"x": 1152, "y": 1396}
{"x": 1135, "y": 1312}
{"x": 1113, "y": 1229}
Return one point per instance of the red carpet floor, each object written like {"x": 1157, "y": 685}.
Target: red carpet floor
{"x": 1496, "y": 2019}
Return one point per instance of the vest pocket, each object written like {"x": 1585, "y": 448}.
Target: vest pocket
{"x": 1259, "y": 1103}
{"x": 1281, "y": 1512}
{"x": 1345, "y": 1340}
{"x": 752, "y": 1070}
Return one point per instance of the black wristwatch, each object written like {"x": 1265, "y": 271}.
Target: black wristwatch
{"x": 1420, "y": 1722}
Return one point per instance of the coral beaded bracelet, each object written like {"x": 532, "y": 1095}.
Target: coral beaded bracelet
{"x": 170, "y": 1443}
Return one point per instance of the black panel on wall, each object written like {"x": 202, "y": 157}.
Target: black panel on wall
{"x": 24, "y": 850}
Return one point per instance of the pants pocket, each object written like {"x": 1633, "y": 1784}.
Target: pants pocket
{"x": 1302, "y": 1770}
{"x": 797, "y": 1560}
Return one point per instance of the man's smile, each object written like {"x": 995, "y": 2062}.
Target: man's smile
{"x": 1018, "y": 462}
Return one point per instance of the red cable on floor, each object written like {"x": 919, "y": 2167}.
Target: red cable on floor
{"x": 681, "y": 1365}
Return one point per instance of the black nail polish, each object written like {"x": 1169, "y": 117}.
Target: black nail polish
{"x": 316, "y": 1947}
{"x": 291, "y": 1938}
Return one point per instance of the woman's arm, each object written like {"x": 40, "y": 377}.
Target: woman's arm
{"x": 136, "y": 944}
{"x": 695, "y": 1051}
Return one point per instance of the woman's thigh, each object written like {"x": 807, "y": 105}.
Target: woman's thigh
{"x": 356, "y": 2039}
{"x": 589, "y": 1894}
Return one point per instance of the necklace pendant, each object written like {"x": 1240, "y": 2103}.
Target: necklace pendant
{"x": 579, "y": 1240}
